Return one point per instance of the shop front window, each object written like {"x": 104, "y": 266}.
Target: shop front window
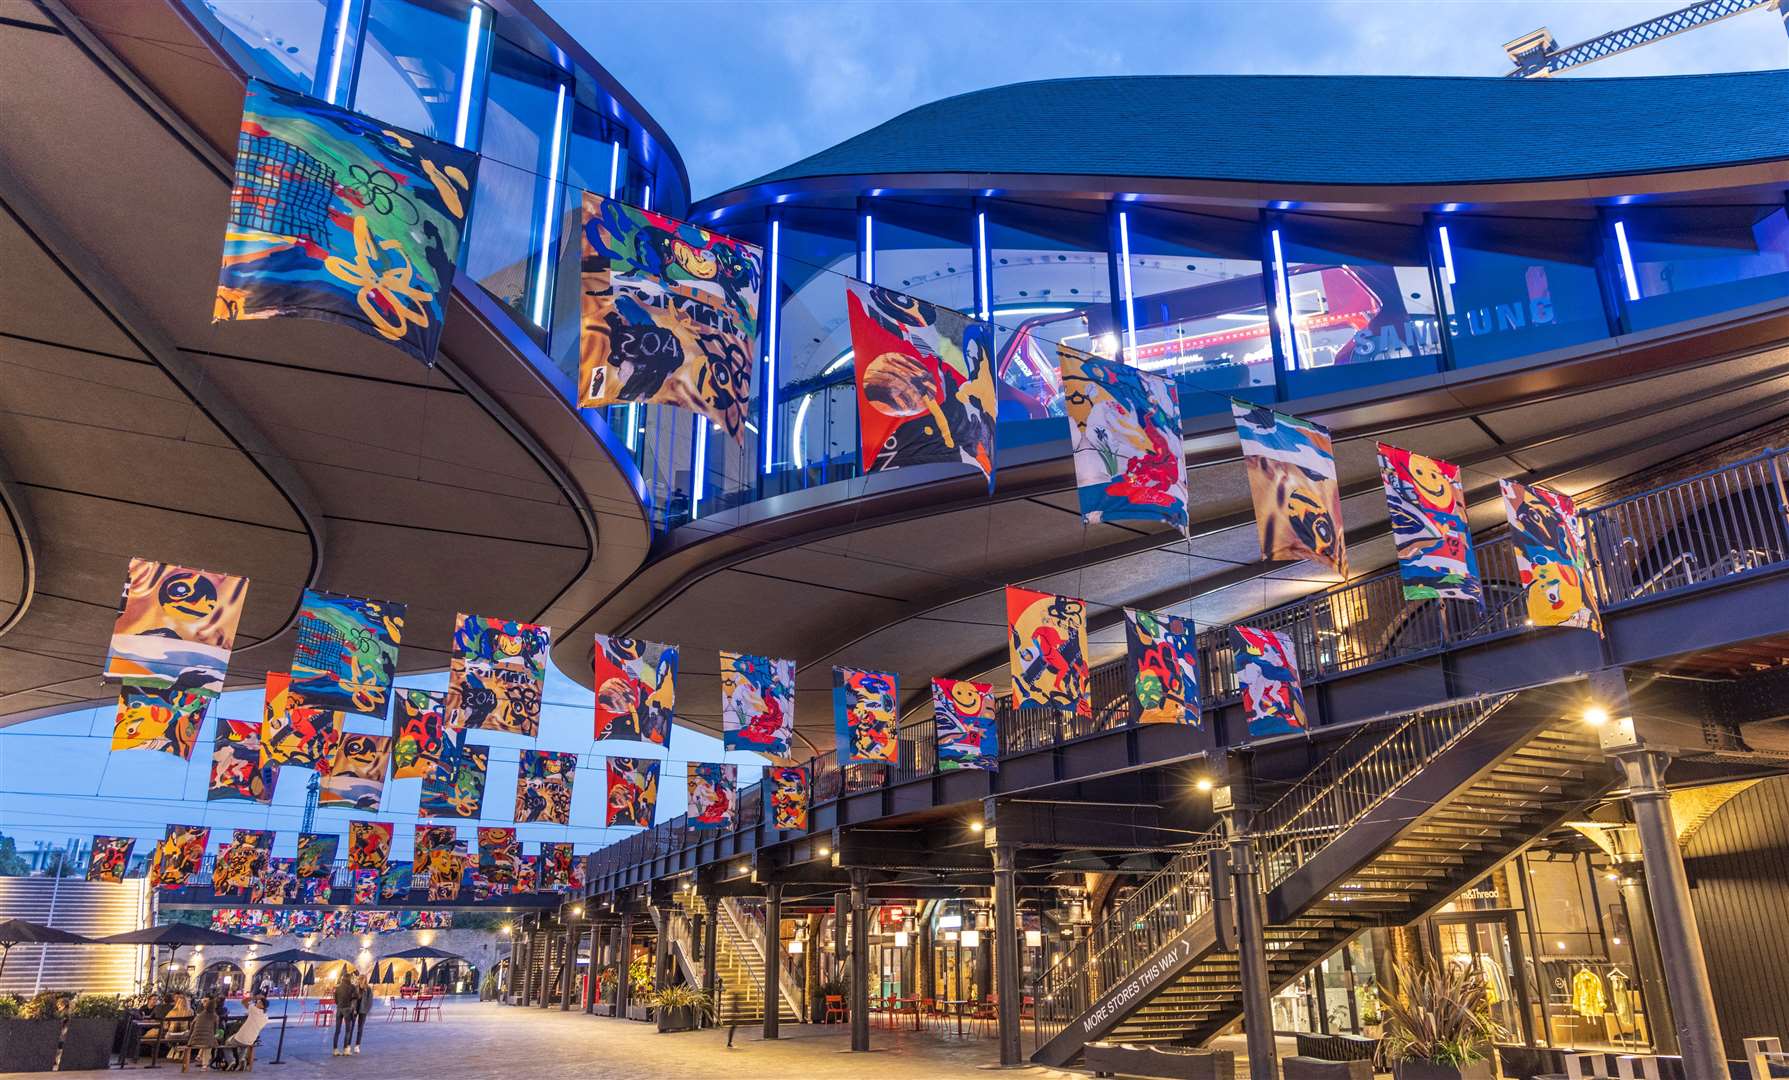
{"x": 1359, "y": 292}
{"x": 1519, "y": 286}
{"x": 1198, "y": 299}
{"x": 279, "y": 40}
{"x": 1684, "y": 261}
{"x": 1052, "y": 284}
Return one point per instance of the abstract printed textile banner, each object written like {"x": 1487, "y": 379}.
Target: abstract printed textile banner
{"x": 1428, "y": 523}
{"x": 178, "y": 856}
{"x": 175, "y": 627}
{"x": 1124, "y": 425}
{"x": 925, "y": 382}
{"x": 110, "y": 858}
{"x": 1291, "y": 465}
{"x": 434, "y": 843}
{"x": 499, "y": 858}
{"x": 369, "y": 844}
{"x": 293, "y": 734}
{"x": 543, "y": 786}
{"x": 713, "y": 793}
{"x": 863, "y": 715}
{"x": 275, "y": 884}
{"x": 455, "y": 787}
{"x": 366, "y": 887}
{"x": 420, "y": 718}
{"x": 788, "y": 788}
{"x": 444, "y": 883}
{"x": 395, "y": 882}
{"x": 636, "y": 689}
{"x": 339, "y": 217}
{"x": 241, "y": 861}
{"x": 356, "y": 779}
{"x": 1551, "y": 556}
{"x": 967, "y": 735}
{"x": 558, "y": 868}
{"x": 633, "y": 791}
{"x": 316, "y": 854}
{"x": 347, "y": 653}
{"x": 757, "y": 703}
{"x": 236, "y": 768}
{"x": 159, "y": 719}
{"x": 1047, "y": 640}
{"x": 496, "y": 674}
{"x": 1267, "y": 674}
{"x": 1162, "y": 655}
{"x": 670, "y": 314}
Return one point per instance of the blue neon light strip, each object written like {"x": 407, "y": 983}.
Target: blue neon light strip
{"x": 546, "y": 225}
{"x": 463, "y": 121}
{"x": 869, "y": 249}
{"x": 771, "y": 312}
{"x": 1130, "y": 304}
{"x": 1447, "y": 256}
{"x": 1627, "y": 262}
{"x": 985, "y": 305}
{"x": 1283, "y": 309}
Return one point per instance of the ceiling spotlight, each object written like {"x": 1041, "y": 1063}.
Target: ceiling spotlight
{"x": 1203, "y": 783}
{"x": 1596, "y": 716}
{"x": 825, "y": 851}
{"x": 976, "y": 826}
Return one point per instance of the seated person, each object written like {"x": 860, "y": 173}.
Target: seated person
{"x": 202, "y": 1042}
{"x": 246, "y": 1031}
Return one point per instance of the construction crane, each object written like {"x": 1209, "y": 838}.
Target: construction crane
{"x": 1537, "y": 55}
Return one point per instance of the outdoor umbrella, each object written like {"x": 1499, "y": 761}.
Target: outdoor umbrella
{"x": 19, "y": 932}
{"x": 425, "y": 953}
{"x": 175, "y": 936}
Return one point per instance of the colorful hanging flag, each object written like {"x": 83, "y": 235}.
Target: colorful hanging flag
{"x": 339, "y": 217}
{"x": 636, "y": 689}
{"x": 159, "y": 719}
{"x": 863, "y": 715}
{"x": 347, "y": 653}
{"x": 558, "y": 867}
{"x": 356, "y": 779}
{"x": 316, "y": 854}
{"x": 713, "y": 795}
{"x": 175, "y": 627}
{"x": 543, "y": 786}
{"x": 670, "y": 314}
{"x": 925, "y": 382}
{"x": 633, "y": 791}
{"x": 1163, "y": 656}
{"x": 369, "y": 844}
{"x": 528, "y": 874}
{"x": 241, "y": 861}
{"x": 1267, "y": 675}
{"x": 178, "y": 856}
{"x": 498, "y": 857}
{"x": 420, "y": 718}
{"x": 444, "y": 885}
{"x": 455, "y": 787}
{"x": 395, "y": 882}
{"x": 433, "y": 844}
{"x": 1124, "y": 425}
{"x": 236, "y": 769}
{"x": 757, "y": 703}
{"x": 314, "y": 890}
{"x": 1428, "y": 524}
{"x": 274, "y": 886}
{"x": 1552, "y": 556}
{"x": 1048, "y": 645}
{"x": 366, "y": 887}
{"x": 788, "y": 788}
{"x": 293, "y": 733}
{"x": 496, "y": 673}
{"x": 967, "y": 735}
{"x": 110, "y": 859}
{"x": 1291, "y": 466}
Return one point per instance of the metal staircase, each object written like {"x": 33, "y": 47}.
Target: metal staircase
{"x": 739, "y": 962}
{"x": 1395, "y": 821}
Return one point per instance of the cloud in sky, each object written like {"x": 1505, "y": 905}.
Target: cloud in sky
{"x": 744, "y": 88}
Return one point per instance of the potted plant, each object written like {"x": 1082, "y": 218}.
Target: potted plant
{"x": 838, "y": 986}
{"x": 92, "y": 1032}
{"x": 1372, "y": 1018}
{"x": 681, "y": 1008}
{"x": 1438, "y": 1025}
{"x": 29, "y": 1032}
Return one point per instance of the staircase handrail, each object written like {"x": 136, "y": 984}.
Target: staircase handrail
{"x": 785, "y": 981}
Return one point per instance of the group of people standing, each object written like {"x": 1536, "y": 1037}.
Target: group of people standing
{"x": 353, "y": 1001}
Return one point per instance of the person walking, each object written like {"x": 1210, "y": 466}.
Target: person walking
{"x": 363, "y": 1004}
{"x": 347, "y": 1013}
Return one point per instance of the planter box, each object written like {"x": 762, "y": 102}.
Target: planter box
{"x": 88, "y": 1042}
{"x": 683, "y": 1018}
{"x": 1428, "y": 1070}
{"x": 1107, "y": 1059}
{"x": 28, "y": 1045}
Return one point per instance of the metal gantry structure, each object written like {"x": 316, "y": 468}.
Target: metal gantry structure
{"x": 1537, "y": 55}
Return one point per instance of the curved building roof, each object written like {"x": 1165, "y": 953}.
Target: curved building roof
{"x": 1322, "y": 129}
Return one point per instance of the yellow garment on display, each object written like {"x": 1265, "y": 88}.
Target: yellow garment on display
{"x": 1587, "y": 994}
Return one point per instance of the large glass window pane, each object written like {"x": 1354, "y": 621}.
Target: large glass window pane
{"x": 1697, "y": 260}
{"x": 1199, "y": 299}
{"x": 278, "y": 40}
{"x": 1520, "y": 286}
{"x": 596, "y": 157}
{"x": 416, "y": 67}
{"x": 924, "y": 251}
{"x": 816, "y": 401}
{"x": 1360, "y": 291}
{"x": 1052, "y": 284}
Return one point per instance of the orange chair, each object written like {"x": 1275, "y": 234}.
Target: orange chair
{"x": 835, "y": 1006}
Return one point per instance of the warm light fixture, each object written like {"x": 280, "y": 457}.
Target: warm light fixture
{"x": 1203, "y": 783}
{"x": 971, "y": 938}
{"x": 825, "y": 851}
{"x": 1560, "y": 945}
{"x": 577, "y": 911}
{"x": 976, "y": 826}
{"x": 1034, "y": 939}
{"x": 949, "y": 922}
{"x": 1596, "y": 716}
{"x": 900, "y": 939}
{"x": 795, "y": 947}
{"x": 1615, "y": 940}
{"x": 508, "y": 929}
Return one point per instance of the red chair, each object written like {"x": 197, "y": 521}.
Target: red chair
{"x": 425, "y": 1004}
{"x": 325, "y": 1011}
{"x": 835, "y": 1006}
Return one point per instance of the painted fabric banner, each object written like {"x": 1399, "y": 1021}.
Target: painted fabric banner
{"x": 925, "y": 382}
{"x": 670, "y": 314}
{"x": 369, "y": 844}
{"x": 316, "y": 854}
{"x": 347, "y": 653}
{"x": 395, "y": 882}
{"x": 863, "y": 715}
{"x": 445, "y": 883}
{"x": 110, "y": 859}
{"x": 1163, "y": 656}
{"x": 967, "y": 735}
{"x": 496, "y": 673}
{"x": 241, "y": 861}
{"x": 293, "y": 734}
{"x": 713, "y": 794}
{"x": 636, "y": 689}
{"x": 1428, "y": 523}
{"x": 356, "y": 779}
{"x": 633, "y": 791}
{"x": 236, "y": 769}
{"x": 1267, "y": 674}
{"x": 175, "y": 627}
{"x": 1124, "y": 425}
{"x": 788, "y": 788}
{"x": 455, "y": 787}
{"x": 159, "y": 719}
{"x": 1047, "y": 640}
{"x": 757, "y": 703}
{"x": 420, "y": 718}
{"x": 543, "y": 786}
{"x": 433, "y": 843}
{"x": 1552, "y": 556}
{"x": 557, "y": 867}
{"x": 275, "y": 884}
{"x": 499, "y": 856}
{"x": 366, "y": 887}
{"x": 528, "y": 874}
{"x": 339, "y": 217}
{"x": 178, "y": 856}
{"x": 1291, "y": 465}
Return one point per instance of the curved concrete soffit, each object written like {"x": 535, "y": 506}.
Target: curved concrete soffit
{"x": 12, "y": 504}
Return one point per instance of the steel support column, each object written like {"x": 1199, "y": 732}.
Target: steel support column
{"x": 860, "y": 961}
{"x": 773, "y": 967}
{"x": 1251, "y": 945}
{"x": 1006, "y": 954}
{"x": 623, "y": 991}
{"x": 1643, "y": 939}
{"x": 549, "y": 942}
{"x": 569, "y": 982}
{"x": 711, "y": 944}
{"x": 592, "y": 969}
{"x": 661, "y": 949}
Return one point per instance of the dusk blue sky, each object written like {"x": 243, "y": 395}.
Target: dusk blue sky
{"x": 745, "y": 87}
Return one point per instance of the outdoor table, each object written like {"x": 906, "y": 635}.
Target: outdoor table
{"x": 913, "y": 1003}
{"x": 957, "y": 1007}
